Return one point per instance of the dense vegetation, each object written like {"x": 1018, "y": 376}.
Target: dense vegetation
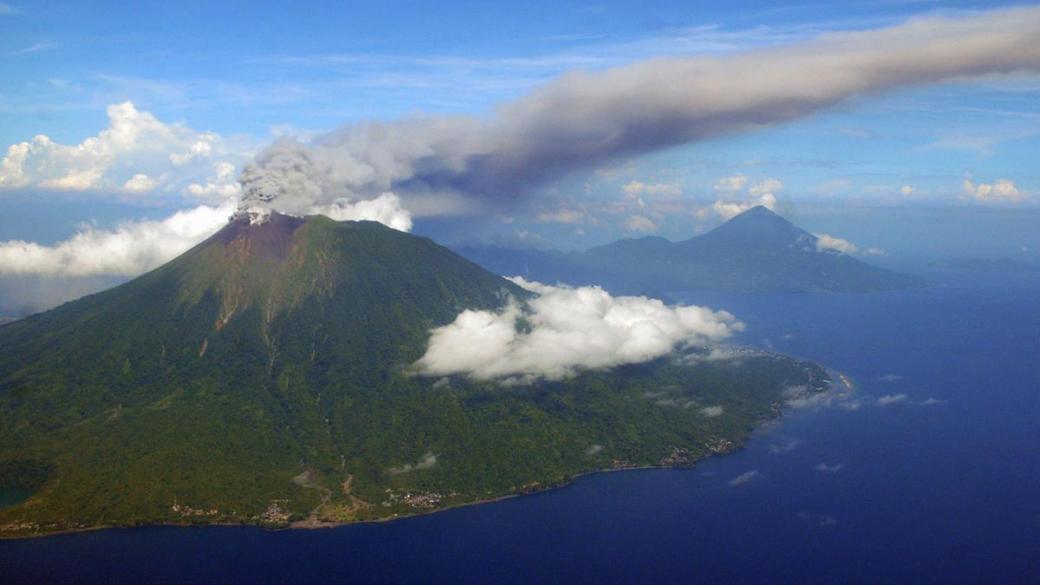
{"x": 756, "y": 251}
{"x": 262, "y": 378}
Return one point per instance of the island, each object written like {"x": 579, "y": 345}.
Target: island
{"x": 264, "y": 378}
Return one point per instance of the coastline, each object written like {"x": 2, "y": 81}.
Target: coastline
{"x": 304, "y": 525}
{"x": 837, "y": 378}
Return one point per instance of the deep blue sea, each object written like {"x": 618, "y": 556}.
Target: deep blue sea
{"x": 930, "y": 474}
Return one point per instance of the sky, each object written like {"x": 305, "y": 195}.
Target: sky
{"x": 125, "y": 131}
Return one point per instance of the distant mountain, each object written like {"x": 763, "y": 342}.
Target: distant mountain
{"x": 755, "y": 251}
{"x": 261, "y": 377}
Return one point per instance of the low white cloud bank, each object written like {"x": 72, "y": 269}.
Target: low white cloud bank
{"x": 712, "y": 411}
{"x": 836, "y": 244}
{"x": 564, "y": 330}
{"x": 128, "y": 250}
{"x": 716, "y": 354}
{"x": 427, "y": 461}
{"x": 838, "y": 396}
{"x": 827, "y": 242}
{"x": 137, "y": 154}
{"x": 135, "y": 247}
{"x": 743, "y": 478}
{"x": 890, "y": 399}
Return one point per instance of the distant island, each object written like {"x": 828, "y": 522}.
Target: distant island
{"x": 756, "y": 251}
{"x": 262, "y": 378}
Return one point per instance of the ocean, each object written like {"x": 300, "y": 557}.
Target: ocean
{"x": 929, "y": 473}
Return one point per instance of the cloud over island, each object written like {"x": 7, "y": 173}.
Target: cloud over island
{"x": 565, "y": 330}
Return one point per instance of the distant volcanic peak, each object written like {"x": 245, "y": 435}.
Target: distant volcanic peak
{"x": 759, "y": 213}
{"x": 758, "y": 224}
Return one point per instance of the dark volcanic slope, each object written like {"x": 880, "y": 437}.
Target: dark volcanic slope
{"x": 756, "y": 251}
{"x": 262, "y": 377}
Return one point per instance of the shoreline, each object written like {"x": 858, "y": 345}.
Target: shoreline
{"x": 842, "y": 379}
{"x": 303, "y": 525}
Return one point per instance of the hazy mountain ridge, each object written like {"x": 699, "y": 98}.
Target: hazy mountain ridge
{"x": 757, "y": 251}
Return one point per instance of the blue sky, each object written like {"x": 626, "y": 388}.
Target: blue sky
{"x": 250, "y": 67}
{"x": 237, "y": 75}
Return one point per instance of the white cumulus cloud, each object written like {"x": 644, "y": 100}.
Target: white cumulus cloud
{"x": 735, "y": 199}
{"x": 1000, "y": 190}
{"x": 829, "y": 243}
{"x": 834, "y": 243}
{"x": 140, "y": 183}
{"x": 765, "y": 187}
{"x": 136, "y": 153}
{"x": 221, "y": 185}
{"x": 731, "y": 184}
{"x": 564, "y": 330}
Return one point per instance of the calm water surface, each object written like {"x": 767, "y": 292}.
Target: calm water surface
{"x": 930, "y": 475}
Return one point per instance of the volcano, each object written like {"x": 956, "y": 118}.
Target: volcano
{"x": 756, "y": 251}
{"x": 262, "y": 377}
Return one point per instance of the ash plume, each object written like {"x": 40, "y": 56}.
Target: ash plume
{"x": 583, "y": 119}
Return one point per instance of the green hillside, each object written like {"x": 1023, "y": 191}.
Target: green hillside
{"x": 261, "y": 378}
